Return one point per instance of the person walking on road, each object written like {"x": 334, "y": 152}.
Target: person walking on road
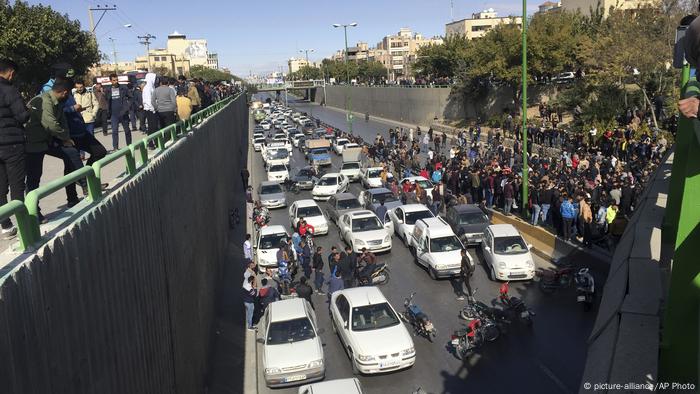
{"x": 317, "y": 266}
{"x": 305, "y": 291}
{"x": 13, "y": 115}
{"x": 250, "y": 294}
{"x": 119, "y": 99}
{"x": 335, "y": 283}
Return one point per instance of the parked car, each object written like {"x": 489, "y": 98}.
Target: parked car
{"x": 371, "y": 199}
{"x": 468, "y": 221}
{"x": 330, "y": 184}
{"x": 371, "y": 331}
{"x": 405, "y": 218}
{"x": 311, "y": 212}
{"x": 506, "y": 254}
{"x": 271, "y": 195}
{"x": 267, "y": 242}
{"x": 292, "y": 350}
{"x": 363, "y": 229}
{"x": 436, "y": 247}
{"x": 341, "y": 204}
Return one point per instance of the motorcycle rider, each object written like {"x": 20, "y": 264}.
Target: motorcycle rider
{"x": 304, "y": 227}
{"x": 366, "y": 264}
{"x": 466, "y": 272}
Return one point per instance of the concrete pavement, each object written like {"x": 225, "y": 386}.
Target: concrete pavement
{"x": 547, "y": 358}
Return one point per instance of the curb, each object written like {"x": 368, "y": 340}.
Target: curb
{"x": 250, "y": 378}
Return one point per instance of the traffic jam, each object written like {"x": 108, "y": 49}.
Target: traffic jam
{"x": 372, "y": 214}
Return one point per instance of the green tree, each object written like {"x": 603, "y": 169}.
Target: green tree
{"x": 371, "y": 71}
{"x": 339, "y": 71}
{"x": 36, "y": 37}
{"x": 211, "y": 74}
{"x": 442, "y": 61}
{"x": 306, "y": 73}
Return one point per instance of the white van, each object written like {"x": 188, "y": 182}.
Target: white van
{"x": 436, "y": 247}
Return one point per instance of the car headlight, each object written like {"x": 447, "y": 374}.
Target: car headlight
{"x": 408, "y": 351}
{"x": 387, "y": 238}
{"x": 359, "y": 242}
{"x": 365, "y": 358}
{"x": 272, "y": 371}
{"x": 316, "y": 364}
{"x": 530, "y": 264}
{"x": 440, "y": 266}
{"x": 501, "y": 265}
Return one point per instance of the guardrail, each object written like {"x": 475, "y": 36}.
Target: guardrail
{"x": 26, "y": 213}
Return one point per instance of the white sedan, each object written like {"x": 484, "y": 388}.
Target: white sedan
{"x": 265, "y": 125}
{"x": 362, "y": 229}
{"x": 277, "y": 172}
{"x": 371, "y": 331}
{"x": 311, "y": 212}
{"x": 405, "y": 217}
{"x": 371, "y": 177}
{"x": 292, "y": 350}
{"x": 339, "y": 145}
{"x": 330, "y": 184}
{"x": 506, "y": 254}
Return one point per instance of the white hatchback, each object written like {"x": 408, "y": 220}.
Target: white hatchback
{"x": 371, "y": 331}
{"x": 330, "y": 184}
{"x": 277, "y": 172}
{"x": 292, "y": 350}
{"x": 506, "y": 254}
{"x": 405, "y": 218}
{"x": 311, "y": 212}
{"x": 363, "y": 229}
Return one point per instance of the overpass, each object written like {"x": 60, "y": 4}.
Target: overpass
{"x": 286, "y": 85}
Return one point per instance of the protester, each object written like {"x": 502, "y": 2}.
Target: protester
{"x": 184, "y": 105}
{"x": 317, "y": 265}
{"x": 119, "y": 100}
{"x": 250, "y": 295}
{"x": 103, "y": 108}
{"x": 88, "y": 103}
{"x": 165, "y": 103}
{"x": 247, "y": 248}
{"x": 13, "y": 115}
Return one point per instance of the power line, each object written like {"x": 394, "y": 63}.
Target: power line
{"x": 147, "y": 42}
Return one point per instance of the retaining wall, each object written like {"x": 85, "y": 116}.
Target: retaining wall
{"x": 123, "y": 301}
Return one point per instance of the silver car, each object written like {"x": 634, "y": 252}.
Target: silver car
{"x": 342, "y": 203}
{"x": 272, "y": 195}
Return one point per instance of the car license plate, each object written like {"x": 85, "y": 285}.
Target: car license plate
{"x": 388, "y": 363}
{"x": 524, "y": 314}
{"x": 295, "y": 378}
{"x": 581, "y": 298}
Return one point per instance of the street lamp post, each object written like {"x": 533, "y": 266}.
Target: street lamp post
{"x": 306, "y": 51}
{"x": 348, "y": 107}
{"x": 524, "y": 115}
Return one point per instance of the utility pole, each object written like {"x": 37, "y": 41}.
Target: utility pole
{"x": 146, "y": 40}
{"x": 348, "y": 106}
{"x": 452, "y": 10}
{"x": 104, "y": 10}
{"x": 524, "y": 97}
{"x": 114, "y": 56}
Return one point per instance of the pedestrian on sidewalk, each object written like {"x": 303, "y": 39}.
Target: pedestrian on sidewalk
{"x": 247, "y": 248}
{"x": 317, "y": 265}
{"x": 245, "y": 175}
{"x": 193, "y": 95}
{"x": 13, "y": 116}
{"x": 103, "y": 107}
{"x": 119, "y": 100}
{"x": 250, "y": 294}
{"x": 165, "y": 103}
{"x": 184, "y": 105}
{"x": 89, "y": 105}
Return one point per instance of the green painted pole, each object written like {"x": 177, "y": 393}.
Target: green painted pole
{"x": 526, "y": 212}
{"x": 347, "y": 86}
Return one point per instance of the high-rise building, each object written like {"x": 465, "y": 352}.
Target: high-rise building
{"x": 479, "y": 24}
{"x": 585, "y": 6}
{"x": 195, "y": 51}
{"x": 295, "y": 64}
{"x": 399, "y": 51}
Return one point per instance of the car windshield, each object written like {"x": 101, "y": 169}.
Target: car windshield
{"x": 309, "y": 211}
{"x": 366, "y": 224}
{"x": 328, "y": 181}
{"x": 342, "y": 142}
{"x": 509, "y": 245}
{"x": 278, "y": 168}
{"x": 259, "y": 140}
{"x": 413, "y": 217}
{"x": 279, "y": 154}
{"x": 445, "y": 244}
{"x": 373, "y": 317}
{"x": 319, "y": 151}
{"x": 272, "y": 241}
{"x": 374, "y": 173}
{"x": 290, "y": 331}
{"x": 386, "y": 197}
{"x": 271, "y": 189}
{"x": 351, "y": 166}
{"x": 349, "y": 203}
{"x": 425, "y": 184}
{"x": 473, "y": 218}
{"x": 305, "y": 172}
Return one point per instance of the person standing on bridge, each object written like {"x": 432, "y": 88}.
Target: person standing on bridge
{"x": 119, "y": 99}
{"x": 165, "y": 103}
{"x": 13, "y": 115}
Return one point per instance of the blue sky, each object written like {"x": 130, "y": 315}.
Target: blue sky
{"x": 260, "y": 36}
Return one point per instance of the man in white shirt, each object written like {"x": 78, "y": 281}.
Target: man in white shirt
{"x": 247, "y": 249}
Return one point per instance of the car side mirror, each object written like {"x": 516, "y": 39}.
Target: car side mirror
{"x": 529, "y": 246}
{"x": 487, "y": 248}
{"x": 345, "y": 325}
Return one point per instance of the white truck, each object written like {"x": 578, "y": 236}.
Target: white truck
{"x": 352, "y": 163}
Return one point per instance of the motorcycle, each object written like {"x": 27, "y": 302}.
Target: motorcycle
{"x": 419, "y": 321}
{"x": 551, "y": 281}
{"x": 515, "y": 305}
{"x": 493, "y": 320}
{"x": 261, "y": 217}
{"x": 585, "y": 288}
{"x": 468, "y": 339}
{"x": 378, "y": 275}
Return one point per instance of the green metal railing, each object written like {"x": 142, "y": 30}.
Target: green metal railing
{"x": 26, "y": 213}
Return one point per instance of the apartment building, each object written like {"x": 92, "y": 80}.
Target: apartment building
{"x": 479, "y": 24}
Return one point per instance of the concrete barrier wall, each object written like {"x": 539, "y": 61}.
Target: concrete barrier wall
{"x": 422, "y": 105}
{"x": 123, "y": 301}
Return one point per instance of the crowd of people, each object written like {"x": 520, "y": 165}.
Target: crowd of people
{"x": 60, "y": 122}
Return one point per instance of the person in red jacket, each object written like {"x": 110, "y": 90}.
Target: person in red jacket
{"x": 304, "y": 227}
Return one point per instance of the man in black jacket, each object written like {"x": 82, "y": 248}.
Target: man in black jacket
{"x": 13, "y": 115}
{"x": 304, "y": 291}
{"x": 119, "y": 101}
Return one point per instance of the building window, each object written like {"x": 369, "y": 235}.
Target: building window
{"x": 481, "y": 28}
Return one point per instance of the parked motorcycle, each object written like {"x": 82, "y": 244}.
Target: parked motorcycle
{"x": 585, "y": 288}
{"x": 468, "y": 339}
{"x": 493, "y": 320}
{"x": 378, "y": 274}
{"x": 418, "y": 319}
{"x": 551, "y": 281}
{"x": 261, "y": 217}
{"x": 515, "y": 305}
